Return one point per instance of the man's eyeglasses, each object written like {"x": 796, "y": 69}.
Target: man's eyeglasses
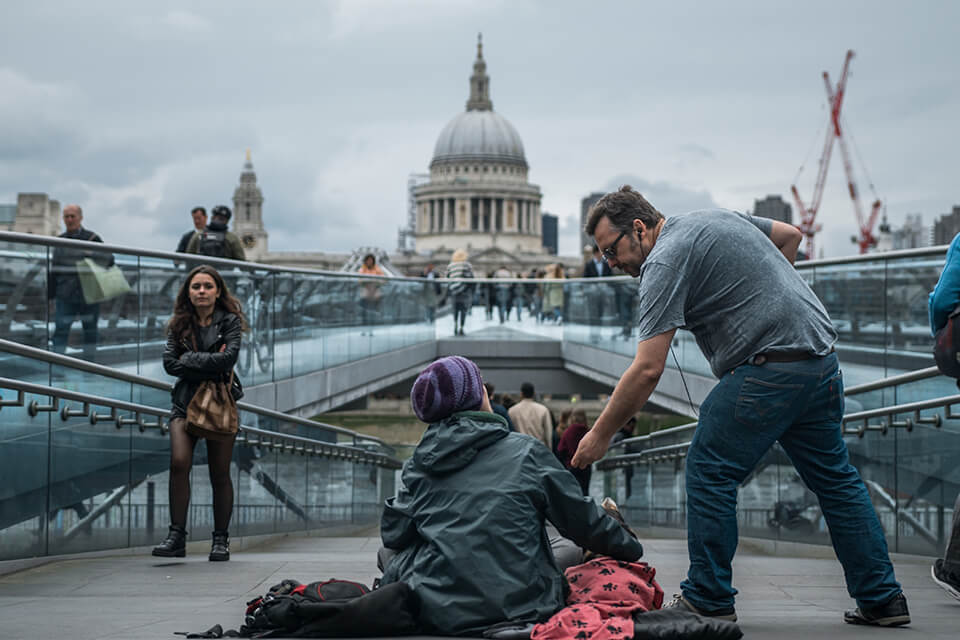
{"x": 610, "y": 253}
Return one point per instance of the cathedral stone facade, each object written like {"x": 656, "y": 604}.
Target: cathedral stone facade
{"x": 478, "y": 196}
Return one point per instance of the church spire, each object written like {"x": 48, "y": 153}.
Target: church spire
{"x": 479, "y": 82}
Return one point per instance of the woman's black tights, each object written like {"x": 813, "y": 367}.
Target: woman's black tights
{"x": 219, "y": 454}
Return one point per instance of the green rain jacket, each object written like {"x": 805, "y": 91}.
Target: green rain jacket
{"x": 468, "y": 522}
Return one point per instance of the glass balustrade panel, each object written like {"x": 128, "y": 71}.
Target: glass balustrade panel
{"x": 291, "y": 490}
{"x": 24, "y": 456}
{"x": 88, "y": 491}
{"x": 150, "y": 486}
{"x": 927, "y": 481}
{"x": 256, "y": 505}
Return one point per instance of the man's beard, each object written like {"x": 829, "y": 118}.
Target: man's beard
{"x": 632, "y": 270}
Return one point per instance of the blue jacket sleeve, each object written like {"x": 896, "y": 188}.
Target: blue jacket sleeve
{"x": 946, "y": 295}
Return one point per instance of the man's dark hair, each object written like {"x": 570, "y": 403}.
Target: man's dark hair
{"x": 200, "y": 209}
{"x": 489, "y": 387}
{"x": 620, "y": 208}
{"x": 527, "y": 389}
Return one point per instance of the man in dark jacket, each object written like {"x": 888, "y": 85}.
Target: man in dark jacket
{"x": 199, "y": 215}
{"x": 215, "y": 241}
{"x": 498, "y": 409}
{"x": 468, "y": 520}
{"x": 598, "y": 297}
{"x": 63, "y": 285}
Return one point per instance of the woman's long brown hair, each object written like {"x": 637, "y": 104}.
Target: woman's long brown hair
{"x": 185, "y": 314}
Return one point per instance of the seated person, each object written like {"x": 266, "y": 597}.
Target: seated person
{"x": 467, "y": 523}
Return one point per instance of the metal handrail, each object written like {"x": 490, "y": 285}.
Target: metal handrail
{"x": 85, "y": 245}
{"x": 883, "y": 383}
{"x": 679, "y": 449}
{"x": 82, "y": 365}
{"x": 868, "y": 257}
{"x": 266, "y": 438}
{"x": 892, "y": 381}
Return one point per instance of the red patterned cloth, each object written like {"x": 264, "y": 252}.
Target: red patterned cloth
{"x": 604, "y": 593}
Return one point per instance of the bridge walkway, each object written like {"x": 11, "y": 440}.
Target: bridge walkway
{"x": 134, "y": 596}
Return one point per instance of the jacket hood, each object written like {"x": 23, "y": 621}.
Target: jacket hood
{"x": 452, "y": 443}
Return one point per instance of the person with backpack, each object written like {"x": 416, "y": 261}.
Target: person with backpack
{"x": 215, "y": 241}
{"x": 943, "y": 302}
{"x": 64, "y": 290}
{"x": 203, "y": 343}
{"x": 460, "y": 291}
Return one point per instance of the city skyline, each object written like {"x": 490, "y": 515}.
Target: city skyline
{"x": 140, "y": 113}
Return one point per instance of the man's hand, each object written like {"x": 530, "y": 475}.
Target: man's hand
{"x": 591, "y": 448}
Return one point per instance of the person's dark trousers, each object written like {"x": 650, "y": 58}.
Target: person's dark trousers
{"x": 503, "y": 305}
{"x": 951, "y": 558}
{"x": 459, "y": 313}
{"x": 66, "y": 312}
{"x": 799, "y": 404}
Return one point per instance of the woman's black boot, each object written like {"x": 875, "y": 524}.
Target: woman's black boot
{"x": 220, "y": 547}
{"x": 175, "y": 546}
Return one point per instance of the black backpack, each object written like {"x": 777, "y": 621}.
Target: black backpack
{"x": 946, "y": 348}
{"x": 212, "y": 243}
{"x": 329, "y": 609}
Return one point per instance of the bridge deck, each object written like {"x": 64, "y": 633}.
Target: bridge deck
{"x": 134, "y": 596}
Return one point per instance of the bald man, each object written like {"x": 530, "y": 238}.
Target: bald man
{"x": 64, "y": 285}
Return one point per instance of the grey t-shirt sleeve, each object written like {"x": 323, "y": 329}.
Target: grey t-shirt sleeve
{"x": 764, "y": 224}
{"x": 663, "y": 295}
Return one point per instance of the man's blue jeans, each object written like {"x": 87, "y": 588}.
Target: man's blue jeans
{"x": 798, "y": 404}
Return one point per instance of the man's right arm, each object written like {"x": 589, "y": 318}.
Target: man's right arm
{"x": 631, "y": 393}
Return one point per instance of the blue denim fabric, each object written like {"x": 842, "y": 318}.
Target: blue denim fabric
{"x": 66, "y": 312}
{"x": 799, "y": 404}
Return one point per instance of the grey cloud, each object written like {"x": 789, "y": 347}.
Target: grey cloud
{"x": 668, "y": 198}
{"x": 696, "y": 150}
{"x": 148, "y": 113}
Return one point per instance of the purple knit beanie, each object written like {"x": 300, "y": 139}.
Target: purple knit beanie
{"x": 446, "y": 386}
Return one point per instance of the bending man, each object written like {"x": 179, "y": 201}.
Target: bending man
{"x": 729, "y": 279}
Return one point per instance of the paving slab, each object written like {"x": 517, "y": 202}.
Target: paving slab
{"x": 140, "y": 597}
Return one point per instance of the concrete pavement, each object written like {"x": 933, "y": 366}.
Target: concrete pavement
{"x": 138, "y": 596}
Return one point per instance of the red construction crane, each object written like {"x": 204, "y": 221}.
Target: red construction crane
{"x": 808, "y": 215}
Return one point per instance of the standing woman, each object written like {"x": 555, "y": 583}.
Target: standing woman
{"x": 203, "y": 341}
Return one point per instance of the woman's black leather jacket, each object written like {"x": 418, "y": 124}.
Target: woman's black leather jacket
{"x": 192, "y": 366}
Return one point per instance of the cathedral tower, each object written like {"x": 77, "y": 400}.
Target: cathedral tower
{"x": 248, "y": 213}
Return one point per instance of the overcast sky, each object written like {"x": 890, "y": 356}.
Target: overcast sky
{"x": 138, "y": 111}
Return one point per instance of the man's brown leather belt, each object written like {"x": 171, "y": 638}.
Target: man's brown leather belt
{"x": 783, "y": 356}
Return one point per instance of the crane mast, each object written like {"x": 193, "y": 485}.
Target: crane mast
{"x": 808, "y": 214}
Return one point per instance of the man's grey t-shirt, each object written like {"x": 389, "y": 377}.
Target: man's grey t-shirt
{"x": 718, "y": 274}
